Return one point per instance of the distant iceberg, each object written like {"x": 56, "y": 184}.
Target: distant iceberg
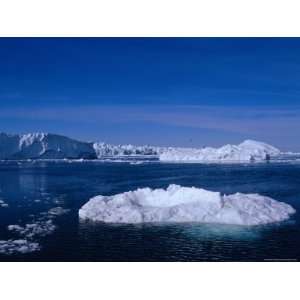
{"x": 104, "y": 150}
{"x": 185, "y": 204}
{"x": 43, "y": 146}
{"x": 247, "y": 151}
{"x": 53, "y": 146}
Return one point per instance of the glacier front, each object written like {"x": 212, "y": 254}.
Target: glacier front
{"x": 185, "y": 204}
{"x": 53, "y": 146}
{"x": 249, "y": 150}
{"x": 107, "y": 150}
{"x": 43, "y": 146}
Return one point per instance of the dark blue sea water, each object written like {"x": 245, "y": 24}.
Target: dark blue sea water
{"x": 32, "y": 188}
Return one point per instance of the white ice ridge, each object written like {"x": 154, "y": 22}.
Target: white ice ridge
{"x": 247, "y": 151}
{"x": 185, "y": 204}
{"x": 104, "y": 150}
{"x": 53, "y": 146}
{"x": 43, "y": 145}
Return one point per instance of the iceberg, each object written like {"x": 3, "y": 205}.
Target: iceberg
{"x": 185, "y": 204}
{"x": 249, "y": 150}
{"x": 43, "y": 146}
{"x": 53, "y": 146}
{"x": 104, "y": 150}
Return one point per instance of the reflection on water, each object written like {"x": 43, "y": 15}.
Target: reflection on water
{"x": 29, "y": 181}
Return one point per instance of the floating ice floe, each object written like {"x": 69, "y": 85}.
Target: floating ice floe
{"x": 18, "y": 246}
{"x": 29, "y": 233}
{"x": 185, "y": 204}
{"x": 40, "y": 228}
{"x": 3, "y": 204}
{"x": 136, "y": 162}
{"x": 247, "y": 151}
{"x": 58, "y": 211}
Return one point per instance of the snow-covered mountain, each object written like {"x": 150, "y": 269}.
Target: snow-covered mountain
{"x": 247, "y": 151}
{"x": 53, "y": 146}
{"x": 41, "y": 145}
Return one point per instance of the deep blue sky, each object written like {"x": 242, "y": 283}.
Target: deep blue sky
{"x": 161, "y": 91}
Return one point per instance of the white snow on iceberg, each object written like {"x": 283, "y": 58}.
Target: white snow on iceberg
{"x": 247, "y": 151}
{"x": 43, "y": 146}
{"x": 185, "y": 204}
{"x": 107, "y": 150}
{"x": 53, "y": 146}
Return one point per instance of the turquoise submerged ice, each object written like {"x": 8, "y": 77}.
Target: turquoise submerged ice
{"x": 185, "y": 204}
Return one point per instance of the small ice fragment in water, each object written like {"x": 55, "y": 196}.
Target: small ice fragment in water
{"x": 57, "y": 211}
{"x": 18, "y": 246}
{"x": 3, "y": 204}
{"x": 40, "y": 228}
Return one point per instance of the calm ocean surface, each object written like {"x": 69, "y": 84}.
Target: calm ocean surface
{"x": 31, "y": 189}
